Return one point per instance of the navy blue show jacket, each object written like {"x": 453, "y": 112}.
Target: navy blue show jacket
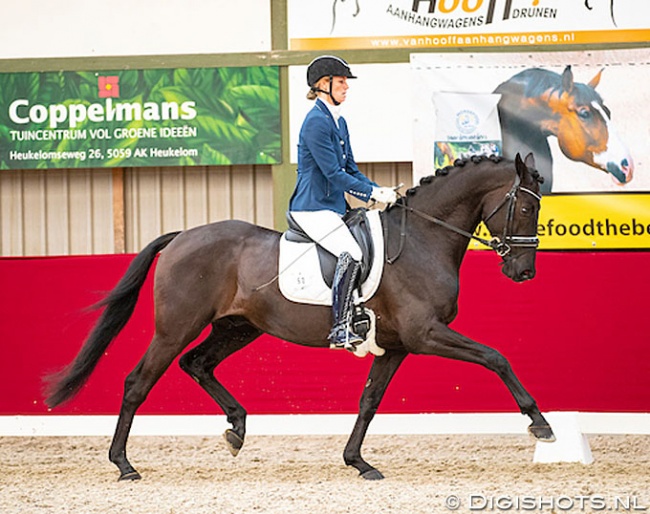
{"x": 326, "y": 166}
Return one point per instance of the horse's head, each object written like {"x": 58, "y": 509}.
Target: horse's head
{"x": 582, "y": 125}
{"x": 511, "y": 214}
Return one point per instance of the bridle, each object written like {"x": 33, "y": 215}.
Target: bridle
{"x": 501, "y": 245}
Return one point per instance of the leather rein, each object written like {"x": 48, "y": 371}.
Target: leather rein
{"x": 502, "y": 246}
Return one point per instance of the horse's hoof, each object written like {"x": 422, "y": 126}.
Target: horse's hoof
{"x": 130, "y": 476}
{"x": 543, "y": 433}
{"x": 372, "y": 474}
{"x": 233, "y": 442}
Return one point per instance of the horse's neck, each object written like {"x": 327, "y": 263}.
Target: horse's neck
{"x": 457, "y": 201}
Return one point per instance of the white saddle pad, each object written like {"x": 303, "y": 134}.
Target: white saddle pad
{"x": 300, "y": 279}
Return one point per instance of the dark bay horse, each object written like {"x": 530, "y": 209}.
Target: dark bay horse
{"x": 211, "y": 275}
{"x": 538, "y": 103}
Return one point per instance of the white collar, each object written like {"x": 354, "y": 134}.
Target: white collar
{"x": 335, "y": 111}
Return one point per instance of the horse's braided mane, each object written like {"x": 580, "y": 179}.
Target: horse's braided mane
{"x": 460, "y": 163}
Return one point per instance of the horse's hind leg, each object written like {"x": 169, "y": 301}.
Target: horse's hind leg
{"x": 138, "y": 383}
{"x": 228, "y": 336}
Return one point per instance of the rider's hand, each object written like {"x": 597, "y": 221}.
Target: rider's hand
{"x": 385, "y": 195}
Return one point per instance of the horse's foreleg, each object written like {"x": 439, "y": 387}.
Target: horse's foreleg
{"x": 445, "y": 342}
{"x": 382, "y": 371}
{"x": 227, "y": 337}
{"x": 136, "y": 388}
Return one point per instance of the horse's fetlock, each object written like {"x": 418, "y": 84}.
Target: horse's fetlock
{"x": 529, "y": 408}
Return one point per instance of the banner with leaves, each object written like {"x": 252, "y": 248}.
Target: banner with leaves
{"x": 160, "y": 117}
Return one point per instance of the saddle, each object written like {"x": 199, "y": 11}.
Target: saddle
{"x": 359, "y": 226}
{"x": 306, "y": 270}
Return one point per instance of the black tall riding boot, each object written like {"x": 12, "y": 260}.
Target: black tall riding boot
{"x": 345, "y": 278}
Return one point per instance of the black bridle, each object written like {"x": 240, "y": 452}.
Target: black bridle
{"x": 501, "y": 245}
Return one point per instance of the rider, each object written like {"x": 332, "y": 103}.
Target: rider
{"x": 326, "y": 171}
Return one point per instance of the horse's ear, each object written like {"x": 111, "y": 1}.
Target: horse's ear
{"x": 596, "y": 80}
{"x": 519, "y": 165}
{"x": 523, "y": 166}
{"x": 567, "y": 79}
{"x": 529, "y": 161}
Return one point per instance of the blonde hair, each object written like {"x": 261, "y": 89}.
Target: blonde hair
{"x": 312, "y": 94}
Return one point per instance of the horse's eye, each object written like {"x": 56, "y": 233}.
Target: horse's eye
{"x": 584, "y": 113}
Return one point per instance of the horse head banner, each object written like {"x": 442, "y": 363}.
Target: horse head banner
{"x": 580, "y": 114}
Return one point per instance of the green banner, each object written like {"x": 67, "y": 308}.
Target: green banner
{"x": 162, "y": 117}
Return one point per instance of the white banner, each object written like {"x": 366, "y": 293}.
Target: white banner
{"x": 584, "y": 115}
{"x": 346, "y": 24}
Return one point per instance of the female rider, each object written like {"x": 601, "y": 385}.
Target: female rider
{"x": 326, "y": 171}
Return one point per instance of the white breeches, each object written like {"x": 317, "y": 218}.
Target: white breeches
{"x": 328, "y": 230}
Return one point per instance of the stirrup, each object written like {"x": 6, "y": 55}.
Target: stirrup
{"x": 342, "y": 337}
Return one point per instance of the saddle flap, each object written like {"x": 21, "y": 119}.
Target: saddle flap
{"x": 358, "y": 225}
{"x": 306, "y": 270}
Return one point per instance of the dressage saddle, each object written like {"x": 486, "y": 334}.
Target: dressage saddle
{"x": 357, "y": 222}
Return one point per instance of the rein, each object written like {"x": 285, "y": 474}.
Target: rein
{"x": 502, "y": 246}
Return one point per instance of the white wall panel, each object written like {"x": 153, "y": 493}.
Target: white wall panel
{"x": 86, "y": 28}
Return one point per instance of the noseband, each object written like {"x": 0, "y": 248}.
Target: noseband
{"x": 502, "y": 246}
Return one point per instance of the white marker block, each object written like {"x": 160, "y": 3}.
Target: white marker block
{"x": 571, "y": 444}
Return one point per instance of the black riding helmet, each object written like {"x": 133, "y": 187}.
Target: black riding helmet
{"x": 327, "y": 66}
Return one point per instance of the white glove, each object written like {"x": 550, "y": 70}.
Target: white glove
{"x": 385, "y": 195}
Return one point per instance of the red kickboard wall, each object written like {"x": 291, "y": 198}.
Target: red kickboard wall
{"x": 577, "y": 336}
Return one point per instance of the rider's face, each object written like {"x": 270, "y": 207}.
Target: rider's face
{"x": 339, "y": 88}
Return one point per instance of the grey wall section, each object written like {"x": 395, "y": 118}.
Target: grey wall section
{"x": 160, "y": 200}
{"x": 72, "y": 212}
{"x": 56, "y": 212}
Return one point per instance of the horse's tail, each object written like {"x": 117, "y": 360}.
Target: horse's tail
{"x": 119, "y": 304}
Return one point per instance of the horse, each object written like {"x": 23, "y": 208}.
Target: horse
{"x": 212, "y": 275}
{"x": 537, "y": 103}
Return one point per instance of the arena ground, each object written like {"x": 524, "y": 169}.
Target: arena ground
{"x": 286, "y": 474}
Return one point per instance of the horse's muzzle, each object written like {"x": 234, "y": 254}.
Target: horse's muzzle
{"x": 623, "y": 173}
{"x": 519, "y": 268}
{"x": 527, "y": 274}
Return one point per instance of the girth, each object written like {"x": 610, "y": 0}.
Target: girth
{"x": 357, "y": 223}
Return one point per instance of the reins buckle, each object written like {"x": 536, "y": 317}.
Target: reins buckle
{"x": 500, "y": 247}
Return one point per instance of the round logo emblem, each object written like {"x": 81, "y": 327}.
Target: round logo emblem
{"x": 467, "y": 121}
